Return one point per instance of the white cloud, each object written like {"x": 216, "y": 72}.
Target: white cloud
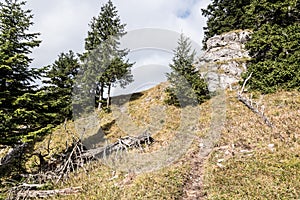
{"x": 63, "y": 26}
{"x": 64, "y": 23}
{"x": 164, "y": 14}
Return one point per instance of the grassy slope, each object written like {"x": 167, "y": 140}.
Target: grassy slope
{"x": 101, "y": 182}
{"x": 259, "y": 163}
{"x": 251, "y": 168}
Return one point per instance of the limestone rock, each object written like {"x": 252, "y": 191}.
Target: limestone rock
{"x": 224, "y": 61}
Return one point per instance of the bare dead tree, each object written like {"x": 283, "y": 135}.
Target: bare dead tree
{"x": 253, "y": 106}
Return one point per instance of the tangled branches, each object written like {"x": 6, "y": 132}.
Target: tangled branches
{"x": 60, "y": 166}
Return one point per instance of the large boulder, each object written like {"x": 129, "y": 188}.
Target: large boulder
{"x": 224, "y": 61}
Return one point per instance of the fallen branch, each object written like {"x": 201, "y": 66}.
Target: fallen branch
{"x": 73, "y": 158}
{"x": 122, "y": 144}
{"x": 250, "y": 104}
{"x": 32, "y": 186}
{"x": 244, "y": 84}
{"x": 48, "y": 193}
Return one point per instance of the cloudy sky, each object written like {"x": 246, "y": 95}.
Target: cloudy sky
{"x": 63, "y": 24}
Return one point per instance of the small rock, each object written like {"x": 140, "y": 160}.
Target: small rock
{"x": 246, "y": 151}
{"x": 227, "y": 152}
{"x": 271, "y": 147}
{"x": 220, "y": 165}
{"x": 201, "y": 145}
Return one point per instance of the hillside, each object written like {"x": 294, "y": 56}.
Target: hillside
{"x": 217, "y": 150}
{"x": 249, "y": 160}
{"x": 224, "y": 126}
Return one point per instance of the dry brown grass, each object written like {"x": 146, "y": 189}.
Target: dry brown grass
{"x": 146, "y": 111}
{"x": 250, "y": 161}
{"x": 253, "y": 160}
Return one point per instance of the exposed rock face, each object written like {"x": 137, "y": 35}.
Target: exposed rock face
{"x": 225, "y": 59}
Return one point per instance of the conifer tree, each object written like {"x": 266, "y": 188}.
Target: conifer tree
{"x": 187, "y": 87}
{"x": 274, "y": 46}
{"x": 224, "y": 16}
{"x": 280, "y": 12}
{"x": 16, "y": 77}
{"x": 105, "y": 59}
{"x": 60, "y": 78}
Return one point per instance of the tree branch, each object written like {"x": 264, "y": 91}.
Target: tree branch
{"x": 249, "y": 103}
{"x": 48, "y": 193}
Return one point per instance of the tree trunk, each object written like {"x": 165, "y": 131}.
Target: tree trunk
{"x": 100, "y": 97}
{"x": 108, "y": 96}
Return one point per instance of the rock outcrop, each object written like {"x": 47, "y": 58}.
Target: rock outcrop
{"x": 225, "y": 59}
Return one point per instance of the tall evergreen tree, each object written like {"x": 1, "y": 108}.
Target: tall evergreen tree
{"x": 60, "y": 79}
{"x": 102, "y": 46}
{"x": 187, "y": 87}
{"x": 280, "y": 12}
{"x": 224, "y": 16}
{"x": 274, "y": 46}
{"x": 16, "y": 77}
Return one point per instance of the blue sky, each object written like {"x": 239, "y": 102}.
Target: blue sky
{"x": 63, "y": 24}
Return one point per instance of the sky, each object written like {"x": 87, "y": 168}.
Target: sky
{"x": 63, "y": 25}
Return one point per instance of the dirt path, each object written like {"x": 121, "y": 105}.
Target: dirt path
{"x": 193, "y": 188}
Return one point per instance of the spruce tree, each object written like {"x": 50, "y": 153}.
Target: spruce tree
{"x": 226, "y": 15}
{"x": 16, "y": 77}
{"x": 280, "y": 12}
{"x": 274, "y": 46}
{"x": 60, "y": 79}
{"x": 106, "y": 63}
{"x": 187, "y": 87}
